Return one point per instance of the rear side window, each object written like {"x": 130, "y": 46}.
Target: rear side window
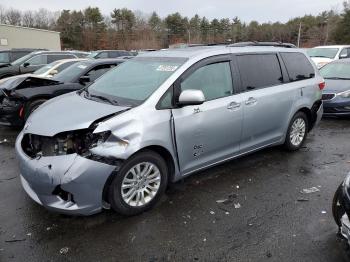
{"x": 53, "y": 58}
{"x": 259, "y": 71}
{"x": 38, "y": 60}
{"x": 298, "y": 66}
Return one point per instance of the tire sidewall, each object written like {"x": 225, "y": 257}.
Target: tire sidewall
{"x": 288, "y": 144}
{"x": 115, "y": 197}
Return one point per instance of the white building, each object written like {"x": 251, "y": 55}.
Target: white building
{"x": 25, "y": 37}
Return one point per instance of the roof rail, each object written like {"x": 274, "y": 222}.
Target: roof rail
{"x": 255, "y": 43}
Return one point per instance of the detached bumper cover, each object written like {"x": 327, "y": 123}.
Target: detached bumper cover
{"x": 84, "y": 179}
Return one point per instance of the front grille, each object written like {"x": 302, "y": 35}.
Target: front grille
{"x": 326, "y": 97}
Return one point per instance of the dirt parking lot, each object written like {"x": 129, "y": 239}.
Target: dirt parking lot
{"x": 264, "y": 216}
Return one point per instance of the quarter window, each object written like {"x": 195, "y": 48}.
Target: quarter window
{"x": 259, "y": 71}
{"x": 298, "y": 66}
{"x": 214, "y": 80}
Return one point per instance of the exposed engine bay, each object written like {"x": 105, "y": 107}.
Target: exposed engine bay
{"x": 71, "y": 142}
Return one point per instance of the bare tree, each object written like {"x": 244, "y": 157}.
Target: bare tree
{"x": 42, "y": 19}
{"x": 28, "y": 19}
{"x": 2, "y": 15}
{"x": 13, "y": 17}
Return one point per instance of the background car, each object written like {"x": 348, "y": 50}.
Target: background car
{"x": 21, "y": 96}
{"x": 336, "y": 94}
{"x": 8, "y": 56}
{"x": 35, "y": 60}
{"x": 322, "y": 55}
{"x": 109, "y": 54}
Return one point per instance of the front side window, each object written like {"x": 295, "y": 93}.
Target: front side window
{"x": 133, "y": 81}
{"x": 259, "y": 71}
{"x": 102, "y": 55}
{"x": 38, "y": 60}
{"x": 214, "y": 80}
{"x": 298, "y": 66}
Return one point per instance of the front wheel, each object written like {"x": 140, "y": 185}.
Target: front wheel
{"x": 139, "y": 184}
{"x": 297, "y": 132}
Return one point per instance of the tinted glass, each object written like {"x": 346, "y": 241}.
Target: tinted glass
{"x": 134, "y": 81}
{"x": 214, "y": 80}
{"x": 336, "y": 71}
{"x": 71, "y": 73}
{"x": 102, "y": 55}
{"x": 259, "y": 71}
{"x": 298, "y": 66}
{"x": 323, "y": 52}
{"x": 52, "y": 58}
{"x": 4, "y": 57}
{"x": 38, "y": 60}
{"x": 17, "y": 55}
{"x": 98, "y": 71}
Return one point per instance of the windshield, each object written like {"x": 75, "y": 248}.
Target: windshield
{"x": 134, "y": 81}
{"x": 336, "y": 71}
{"x": 4, "y": 57}
{"x": 93, "y": 54}
{"x": 22, "y": 59}
{"x": 72, "y": 72}
{"x": 46, "y": 68}
{"x": 323, "y": 52}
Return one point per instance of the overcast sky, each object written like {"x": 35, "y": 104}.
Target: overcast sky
{"x": 247, "y": 10}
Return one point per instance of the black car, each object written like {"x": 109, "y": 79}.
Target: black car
{"x": 33, "y": 61}
{"x": 336, "y": 94}
{"x": 109, "y": 54}
{"x": 10, "y": 55}
{"x": 341, "y": 209}
{"x": 20, "y": 96}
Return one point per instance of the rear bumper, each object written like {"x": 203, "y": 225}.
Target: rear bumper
{"x": 82, "y": 178}
{"x": 337, "y": 107}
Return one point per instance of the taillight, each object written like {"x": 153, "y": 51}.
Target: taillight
{"x": 21, "y": 112}
{"x": 322, "y": 85}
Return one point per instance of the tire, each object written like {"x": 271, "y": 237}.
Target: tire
{"x": 299, "y": 125}
{"x": 32, "y": 106}
{"x": 337, "y": 209}
{"x": 118, "y": 198}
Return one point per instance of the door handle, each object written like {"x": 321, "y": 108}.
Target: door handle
{"x": 233, "y": 105}
{"x": 251, "y": 101}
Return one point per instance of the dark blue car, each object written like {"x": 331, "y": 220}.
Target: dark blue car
{"x": 336, "y": 95}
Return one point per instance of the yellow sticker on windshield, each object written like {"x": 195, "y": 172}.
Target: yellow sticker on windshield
{"x": 166, "y": 68}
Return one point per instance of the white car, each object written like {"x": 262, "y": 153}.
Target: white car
{"x": 49, "y": 70}
{"x": 322, "y": 55}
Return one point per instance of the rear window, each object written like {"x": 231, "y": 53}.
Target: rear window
{"x": 298, "y": 66}
{"x": 259, "y": 71}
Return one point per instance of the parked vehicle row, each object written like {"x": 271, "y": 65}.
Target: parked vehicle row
{"x": 322, "y": 55}
{"x": 161, "y": 116}
{"x": 21, "y": 95}
{"x": 11, "y": 55}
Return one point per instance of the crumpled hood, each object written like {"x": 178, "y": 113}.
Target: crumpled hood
{"x": 336, "y": 86}
{"x": 66, "y": 113}
{"x": 13, "y": 82}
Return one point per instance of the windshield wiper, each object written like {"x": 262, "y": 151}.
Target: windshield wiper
{"x": 321, "y": 56}
{"x": 112, "y": 102}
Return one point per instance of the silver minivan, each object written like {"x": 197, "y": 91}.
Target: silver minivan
{"x": 160, "y": 117}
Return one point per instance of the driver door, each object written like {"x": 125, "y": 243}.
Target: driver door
{"x": 33, "y": 64}
{"x": 208, "y": 133}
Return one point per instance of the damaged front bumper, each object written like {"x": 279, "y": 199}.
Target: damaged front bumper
{"x": 69, "y": 184}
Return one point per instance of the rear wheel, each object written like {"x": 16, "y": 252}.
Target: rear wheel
{"x": 32, "y": 106}
{"x": 139, "y": 184}
{"x": 297, "y": 132}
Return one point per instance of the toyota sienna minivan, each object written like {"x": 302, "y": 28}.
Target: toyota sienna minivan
{"x": 160, "y": 117}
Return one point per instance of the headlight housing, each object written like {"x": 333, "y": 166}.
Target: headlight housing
{"x": 345, "y": 94}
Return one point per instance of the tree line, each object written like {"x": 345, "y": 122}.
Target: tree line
{"x": 89, "y": 29}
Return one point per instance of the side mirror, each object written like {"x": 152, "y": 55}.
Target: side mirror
{"x": 343, "y": 56}
{"x": 26, "y": 64}
{"x": 84, "y": 79}
{"x": 191, "y": 97}
{"x": 53, "y": 72}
